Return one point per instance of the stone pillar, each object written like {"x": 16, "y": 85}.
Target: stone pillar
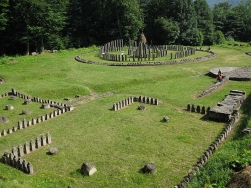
{"x": 193, "y": 108}
{"x": 32, "y": 145}
{"x": 156, "y": 102}
{"x": 20, "y": 163}
{"x": 198, "y": 109}
{"x": 9, "y": 131}
{"x": 38, "y": 143}
{"x": 25, "y": 169}
{"x": 55, "y": 113}
{"x": 20, "y": 125}
{"x": 48, "y": 138}
{"x": 43, "y": 140}
{"x": 30, "y": 168}
{"x": 20, "y": 151}
{"x": 114, "y": 107}
{"x": 203, "y": 110}
{"x": 29, "y": 123}
{"x": 34, "y": 121}
{"x": 26, "y": 148}
{"x": 189, "y": 107}
{"x": 11, "y": 159}
{"x": 24, "y": 123}
{"x": 14, "y": 151}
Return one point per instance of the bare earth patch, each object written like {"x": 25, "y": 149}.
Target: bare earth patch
{"x": 241, "y": 179}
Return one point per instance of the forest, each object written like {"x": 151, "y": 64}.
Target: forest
{"x": 35, "y": 25}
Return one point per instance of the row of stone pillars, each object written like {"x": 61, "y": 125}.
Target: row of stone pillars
{"x": 198, "y": 108}
{"x": 14, "y": 158}
{"x": 33, "y": 145}
{"x": 17, "y": 162}
{"x": 126, "y": 102}
{"x": 22, "y": 124}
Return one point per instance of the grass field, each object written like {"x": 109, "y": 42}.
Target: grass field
{"x": 119, "y": 143}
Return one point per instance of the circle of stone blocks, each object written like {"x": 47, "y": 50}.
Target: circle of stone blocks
{"x": 26, "y": 112}
{"x": 9, "y": 107}
{"x": 53, "y": 151}
{"x": 4, "y": 119}
{"x": 165, "y": 119}
{"x": 150, "y": 168}
{"x": 88, "y": 169}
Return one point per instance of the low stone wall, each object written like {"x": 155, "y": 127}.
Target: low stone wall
{"x": 14, "y": 158}
{"x": 213, "y": 87}
{"x": 130, "y": 100}
{"x": 22, "y": 124}
{"x": 228, "y": 106}
{"x": 209, "y": 152}
{"x": 149, "y": 63}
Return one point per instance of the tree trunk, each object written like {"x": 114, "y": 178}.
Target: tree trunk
{"x": 119, "y": 23}
{"x": 42, "y": 45}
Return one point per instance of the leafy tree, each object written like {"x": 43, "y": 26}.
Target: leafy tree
{"x": 155, "y": 9}
{"x": 166, "y": 31}
{"x": 3, "y": 21}
{"x": 221, "y": 12}
{"x": 3, "y": 16}
{"x": 204, "y": 20}
{"x": 129, "y": 18}
{"x": 219, "y": 38}
{"x": 184, "y": 13}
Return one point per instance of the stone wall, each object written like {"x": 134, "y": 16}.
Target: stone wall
{"x": 228, "y": 107}
{"x": 14, "y": 157}
{"x": 60, "y": 108}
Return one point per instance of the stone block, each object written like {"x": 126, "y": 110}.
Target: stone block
{"x": 150, "y": 168}
{"x": 88, "y": 169}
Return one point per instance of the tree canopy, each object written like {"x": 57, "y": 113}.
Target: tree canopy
{"x": 34, "y": 25}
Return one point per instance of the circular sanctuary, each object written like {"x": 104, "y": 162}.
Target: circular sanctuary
{"x": 142, "y": 54}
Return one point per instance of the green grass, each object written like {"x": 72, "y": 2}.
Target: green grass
{"x": 119, "y": 143}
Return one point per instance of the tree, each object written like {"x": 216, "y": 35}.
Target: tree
{"x": 129, "y": 18}
{"x": 183, "y": 12}
{"x": 166, "y": 31}
{"x": 220, "y": 14}
{"x": 205, "y": 20}
{"x": 3, "y": 22}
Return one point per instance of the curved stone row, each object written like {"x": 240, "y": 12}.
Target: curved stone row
{"x": 171, "y": 62}
{"x": 209, "y": 152}
{"x": 22, "y": 124}
{"x": 130, "y": 100}
{"x": 198, "y": 108}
